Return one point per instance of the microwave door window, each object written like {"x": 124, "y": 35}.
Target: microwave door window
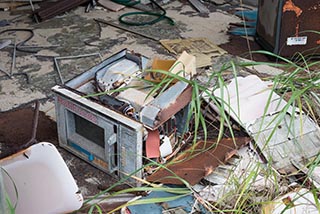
{"x": 89, "y": 130}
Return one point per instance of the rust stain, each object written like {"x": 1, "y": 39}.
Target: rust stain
{"x": 297, "y": 30}
{"x": 198, "y": 161}
{"x": 290, "y": 6}
{"x": 318, "y": 42}
{"x": 166, "y": 113}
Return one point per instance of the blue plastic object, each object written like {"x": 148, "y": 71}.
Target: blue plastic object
{"x": 247, "y": 14}
{"x": 239, "y": 31}
{"x": 185, "y": 202}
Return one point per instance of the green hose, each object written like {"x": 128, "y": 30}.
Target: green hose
{"x": 158, "y": 16}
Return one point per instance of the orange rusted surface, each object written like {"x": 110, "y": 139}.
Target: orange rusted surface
{"x": 297, "y": 30}
{"x": 197, "y": 162}
{"x": 318, "y": 42}
{"x": 290, "y": 6}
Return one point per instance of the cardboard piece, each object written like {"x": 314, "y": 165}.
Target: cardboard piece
{"x": 185, "y": 63}
{"x": 184, "y": 66}
{"x": 159, "y": 64}
{"x": 201, "y": 48}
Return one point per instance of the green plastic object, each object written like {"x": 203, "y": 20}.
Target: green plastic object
{"x": 158, "y": 16}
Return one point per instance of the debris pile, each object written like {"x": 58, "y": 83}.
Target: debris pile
{"x": 183, "y": 134}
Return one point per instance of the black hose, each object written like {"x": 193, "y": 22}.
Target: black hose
{"x": 158, "y": 16}
{"x": 23, "y": 42}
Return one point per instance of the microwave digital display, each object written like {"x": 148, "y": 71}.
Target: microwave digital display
{"x": 89, "y": 130}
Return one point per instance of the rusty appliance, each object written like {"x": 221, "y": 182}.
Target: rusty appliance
{"x": 286, "y": 27}
{"x": 105, "y": 114}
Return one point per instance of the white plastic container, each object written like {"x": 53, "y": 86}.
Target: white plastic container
{"x": 38, "y": 181}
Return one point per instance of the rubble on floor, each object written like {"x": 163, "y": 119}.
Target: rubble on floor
{"x": 145, "y": 116}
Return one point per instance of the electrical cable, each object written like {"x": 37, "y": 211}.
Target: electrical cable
{"x": 158, "y": 16}
{"x": 22, "y": 42}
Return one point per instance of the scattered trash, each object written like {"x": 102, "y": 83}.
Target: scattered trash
{"x": 286, "y": 138}
{"x": 51, "y": 9}
{"x": 201, "y": 48}
{"x": 279, "y": 130}
{"x": 37, "y": 179}
{"x": 219, "y": 2}
{"x": 107, "y": 203}
{"x": 246, "y": 30}
{"x": 156, "y": 15}
{"x": 249, "y": 15}
{"x": 199, "y": 6}
{"x": 248, "y": 25}
{"x": 297, "y": 201}
{"x": 159, "y": 64}
{"x": 248, "y": 98}
{"x": 113, "y": 116}
{"x": 110, "y": 5}
{"x": 18, "y": 47}
{"x": 224, "y": 180}
{"x": 166, "y": 202}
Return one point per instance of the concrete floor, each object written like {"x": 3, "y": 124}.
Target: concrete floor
{"x": 70, "y": 34}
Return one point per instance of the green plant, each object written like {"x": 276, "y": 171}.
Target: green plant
{"x": 6, "y": 204}
{"x": 299, "y": 85}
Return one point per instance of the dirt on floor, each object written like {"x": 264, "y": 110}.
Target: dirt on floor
{"x": 16, "y": 131}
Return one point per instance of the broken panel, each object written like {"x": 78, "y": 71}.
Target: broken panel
{"x": 283, "y": 139}
{"x": 249, "y": 98}
{"x": 197, "y": 162}
{"x": 281, "y": 133}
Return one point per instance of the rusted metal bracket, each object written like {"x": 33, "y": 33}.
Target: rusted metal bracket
{"x": 34, "y": 125}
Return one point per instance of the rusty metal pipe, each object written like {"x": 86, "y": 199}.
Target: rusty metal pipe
{"x": 34, "y": 125}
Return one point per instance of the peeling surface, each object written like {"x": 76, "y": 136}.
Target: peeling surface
{"x": 290, "y": 6}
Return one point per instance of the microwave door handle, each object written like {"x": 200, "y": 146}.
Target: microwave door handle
{"x": 110, "y": 152}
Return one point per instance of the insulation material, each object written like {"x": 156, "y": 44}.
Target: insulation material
{"x": 249, "y": 98}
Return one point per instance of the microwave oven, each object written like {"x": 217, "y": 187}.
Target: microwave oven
{"x": 102, "y": 129}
